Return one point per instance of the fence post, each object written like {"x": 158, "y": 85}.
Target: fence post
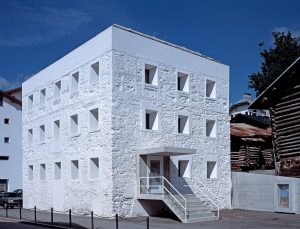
{"x": 148, "y": 222}
{"x": 117, "y": 221}
{"x": 34, "y": 213}
{"x": 51, "y": 215}
{"x": 70, "y": 218}
{"x": 92, "y": 220}
{"x": 20, "y": 210}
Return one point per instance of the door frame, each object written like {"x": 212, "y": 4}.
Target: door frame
{"x": 161, "y": 170}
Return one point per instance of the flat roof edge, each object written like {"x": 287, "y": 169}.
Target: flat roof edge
{"x": 166, "y": 43}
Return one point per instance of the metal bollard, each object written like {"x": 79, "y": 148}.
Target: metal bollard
{"x": 51, "y": 215}
{"x": 6, "y": 213}
{"x": 117, "y": 221}
{"x": 148, "y": 222}
{"x": 20, "y": 211}
{"x": 34, "y": 213}
{"x": 70, "y": 218}
{"x": 92, "y": 220}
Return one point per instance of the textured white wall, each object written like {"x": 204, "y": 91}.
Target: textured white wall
{"x": 12, "y": 168}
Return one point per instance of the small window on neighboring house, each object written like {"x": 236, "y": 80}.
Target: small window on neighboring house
{"x": 6, "y": 140}
{"x": 30, "y": 103}
{"x": 183, "y": 124}
{"x": 94, "y": 119}
{"x": 4, "y": 158}
{"x": 42, "y": 134}
{"x": 74, "y": 169}
{"x": 74, "y": 82}
{"x": 183, "y": 168}
{"x": 57, "y": 91}
{"x": 211, "y": 129}
{"x": 57, "y": 170}
{"x": 6, "y": 121}
{"x": 151, "y": 120}
{"x": 94, "y": 167}
{"x": 74, "y": 125}
{"x": 94, "y": 73}
{"x": 43, "y": 97}
{"x": 56, "y": 130}
{"x": 211, "y": 169}
{"x": 182, "y": 82}
{"x": 30, "y": 137}
{"x": 151, "y": 74}
{"x": 211, "y": 89}
{"x": 30, "y": 172}
{"x": 42, "y": 171}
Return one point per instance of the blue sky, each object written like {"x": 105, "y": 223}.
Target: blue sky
{"x": 35, "y": 33}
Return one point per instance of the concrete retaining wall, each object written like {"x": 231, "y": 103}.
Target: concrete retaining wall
{"x": 260, "y": 192}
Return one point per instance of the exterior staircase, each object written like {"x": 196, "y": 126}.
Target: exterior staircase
{"x": 197, "y": 211}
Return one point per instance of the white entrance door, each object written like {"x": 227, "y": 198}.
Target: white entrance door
{"x": 155, "y": 173}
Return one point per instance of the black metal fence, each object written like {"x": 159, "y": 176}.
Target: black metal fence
{"x": 67, "y": 218}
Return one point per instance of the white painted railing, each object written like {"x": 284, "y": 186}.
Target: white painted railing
{"x": 156, "y": 186}
{"x": 207, "y": 194}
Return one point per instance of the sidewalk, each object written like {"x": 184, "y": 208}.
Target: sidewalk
{"x": 230, "y": 219}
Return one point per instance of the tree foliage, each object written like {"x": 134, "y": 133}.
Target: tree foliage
{"x": 276, "y": 59}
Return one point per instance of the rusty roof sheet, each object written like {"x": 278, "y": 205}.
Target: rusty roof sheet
{"x": 245, "y": 130}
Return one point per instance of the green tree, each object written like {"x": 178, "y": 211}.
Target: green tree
{"x": 276, "y": 59}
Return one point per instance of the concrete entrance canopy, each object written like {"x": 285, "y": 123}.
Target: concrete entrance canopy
{"x": 165, "y": 151}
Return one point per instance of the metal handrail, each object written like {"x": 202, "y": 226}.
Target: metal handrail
{"x": 212, "y": 201}
{"x": 164, "y": 179}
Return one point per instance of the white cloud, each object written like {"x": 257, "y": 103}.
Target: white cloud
{"x": 6, "y": 84}
{"x": 35, "y": 26}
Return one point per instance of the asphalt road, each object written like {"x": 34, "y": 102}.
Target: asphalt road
{"x": 15, "y": 224}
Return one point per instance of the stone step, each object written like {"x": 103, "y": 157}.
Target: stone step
{"x": 202, "y": 219}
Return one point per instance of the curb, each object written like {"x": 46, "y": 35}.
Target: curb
{"x": 44, "y": 225}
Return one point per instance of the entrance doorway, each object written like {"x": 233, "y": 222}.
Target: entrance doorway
{"x": 155, "y": 173}
{"x": 3, "y": 185}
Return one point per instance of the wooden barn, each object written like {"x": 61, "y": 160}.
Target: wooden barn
{"x": 250, "y": 143}
{"x": 282, "y": 98}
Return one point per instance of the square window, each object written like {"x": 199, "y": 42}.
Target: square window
{"x": 6, "y": 121}
{"x": 210, "y": 89}
{"x": 211, "y": 129}
{"x": 74, "y": 169}
{"x": 56, "y": 130}
{"x": 57, "y": 91}
{"x": 74, "y": 82}
{"x": 43, "y": 97}
{"x": 94, "y": 73}
{"x": 74, "y": 125}
{"x": 183, "y": 168}
{"x": 30, "y": 103}
{"x": 211, "y": 169}
{"x": 42, "y": 134}
{"x": 30, "y": 137}
{"x": 183, "y": 124}
{"x": 30, "y": 172}
{"x": 94, "y": 119}
{"x": 151, "y": 120}
{"x": 43, "y": 171}
{"x": 6, "y": 140}
{"x": 182, "y": 82}
{"x": 151, "y": 74}
{"x": 57, "y": 170}
{"x": 94, "y": 167}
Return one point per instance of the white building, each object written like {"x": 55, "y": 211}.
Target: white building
{"x": 117, "y": 110}
{"x": 10, "y": 139}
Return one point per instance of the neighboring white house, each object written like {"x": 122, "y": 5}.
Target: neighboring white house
{"x": 126, "y": 122}
{"x": 242, "y": 107}
{"x": 10, "y": 139}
